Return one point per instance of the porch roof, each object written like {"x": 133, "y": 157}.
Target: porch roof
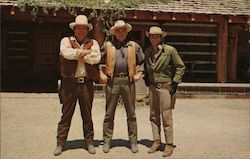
{"x": 220, "y": 7}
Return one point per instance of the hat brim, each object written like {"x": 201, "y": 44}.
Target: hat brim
{"x": 113, "y": 28}
{"x": 163, "y": 34}
{"x": 73, "y": 24}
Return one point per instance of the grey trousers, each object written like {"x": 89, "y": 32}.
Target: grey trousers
{"x": 160, "y": 108}
{"x": 120, "y": 86}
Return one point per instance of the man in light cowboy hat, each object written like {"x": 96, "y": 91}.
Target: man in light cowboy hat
{"x": 163, "y": 71}
{"x": 76, "y": 53}
{"x": 121, "y": 57}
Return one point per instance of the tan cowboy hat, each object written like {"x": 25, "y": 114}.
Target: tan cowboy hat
{"x": 120, "y": 24}
{"x": 156, "y": 30}
{"x": 81, "y": 20}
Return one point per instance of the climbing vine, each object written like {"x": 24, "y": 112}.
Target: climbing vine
{"x": 104, "y": 11}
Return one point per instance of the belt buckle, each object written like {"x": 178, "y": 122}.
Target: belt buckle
{"x": 80, "y": 80}
{"x": 158, "y": 85}
{"x": 122, "y": 75}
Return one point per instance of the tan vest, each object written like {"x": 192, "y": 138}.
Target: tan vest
{"x": 111, "y": 58}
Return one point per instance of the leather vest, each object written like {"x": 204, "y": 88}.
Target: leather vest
{"x": 68, "y": 67}
{"x": 111, "y": 59}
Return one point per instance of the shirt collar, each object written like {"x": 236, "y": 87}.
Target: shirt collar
{"x": 75, "y": 40}
{"x": 118, "y": 44}
{"x": 160, "y": 46}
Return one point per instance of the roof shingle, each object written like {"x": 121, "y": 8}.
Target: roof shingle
{"x": 222, "y": 7}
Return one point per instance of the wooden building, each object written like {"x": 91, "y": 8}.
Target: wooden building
{"x": 211, "y": 36}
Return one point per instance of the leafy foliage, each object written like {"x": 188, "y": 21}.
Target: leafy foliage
{"x": 104, "y": 13}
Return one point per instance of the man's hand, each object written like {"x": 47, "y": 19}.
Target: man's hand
{"x": 88, "y": 45}
{"x": 173, "y": 96}
{"x": 174, "y": 88}
{"x": 86, "y": 50}
{"x": 83, "y": 53}
{"x": 103, "y": 78}
{"x": 137, "y": 76}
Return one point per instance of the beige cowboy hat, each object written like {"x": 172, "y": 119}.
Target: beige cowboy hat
{"x": 81, "y": 20}
{"x": 156, "y": 30}
{"x": 120, "y": 24}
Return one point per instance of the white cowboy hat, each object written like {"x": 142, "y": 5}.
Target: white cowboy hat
{"x": 81, "y": 20}
{"x": 156, "y": 30}
{"x": 119, "y": 24}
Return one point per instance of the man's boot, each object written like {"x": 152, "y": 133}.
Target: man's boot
{"x": 134, "y": 147}
{"x": 58, "y": 150}
{"x": 91, "y": 149}
{"x": 156, "y": 145}
{"x": 168, "y": 150}
{"x": 106, "y": 147}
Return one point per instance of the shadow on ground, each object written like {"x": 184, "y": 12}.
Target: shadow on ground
{"x": 79, "y": 144}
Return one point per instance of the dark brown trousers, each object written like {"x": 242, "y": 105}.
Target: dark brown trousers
{"x": 73, "y": 91}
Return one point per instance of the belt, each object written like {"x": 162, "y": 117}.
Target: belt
{"x": 78, "y": 79}
{"x": 121, "y": 74}
{"x": 82, "y": 79}
{"x": 162, "y": 85}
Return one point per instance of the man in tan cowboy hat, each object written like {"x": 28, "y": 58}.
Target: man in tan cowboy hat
{"x": 121, "y": 57}
{"x": 76, "y": 53}
{"x": 163, "y": 71}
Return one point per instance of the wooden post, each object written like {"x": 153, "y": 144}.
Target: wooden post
{"x": 98, "y": 34}
{"x": 142, "y": 38}
{"x": 232, "y": 63}
{"x": 221, "y": 61}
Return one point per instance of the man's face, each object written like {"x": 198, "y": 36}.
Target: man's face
{"x": 121, "y": 34}
{"x": 81, "y": 32}
{"x": 155, "y": 39}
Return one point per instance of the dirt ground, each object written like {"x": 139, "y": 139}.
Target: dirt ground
{"x": 203, "y": 129}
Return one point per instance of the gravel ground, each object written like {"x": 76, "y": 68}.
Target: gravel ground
{"x": 203, "y": 129}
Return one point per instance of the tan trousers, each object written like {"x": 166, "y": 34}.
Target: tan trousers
{"x": 160, "y": 108}
{"x": 120, "y": 86}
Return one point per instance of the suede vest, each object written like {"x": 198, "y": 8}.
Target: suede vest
{"x": 111, "y": 59}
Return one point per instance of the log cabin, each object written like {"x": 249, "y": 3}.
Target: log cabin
{"x": 212, "y": 37}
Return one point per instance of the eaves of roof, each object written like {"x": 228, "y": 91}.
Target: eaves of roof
{"x": 220, "y": 7}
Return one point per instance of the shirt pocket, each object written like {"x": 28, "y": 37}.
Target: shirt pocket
{"x": 164, "y": 63}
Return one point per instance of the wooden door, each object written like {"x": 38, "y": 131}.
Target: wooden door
{"x": 46, "y": 55}
{"x": 243, "y": 57}
{"x": 16, "y": 60}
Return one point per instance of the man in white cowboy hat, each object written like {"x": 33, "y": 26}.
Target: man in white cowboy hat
{"x": 121, "y": 58}
{"x": 76, "y": 53}
{"x": 163, "y": 72}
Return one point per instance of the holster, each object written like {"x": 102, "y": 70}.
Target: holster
{"x": 173, "y": 99}
{"x": 60, "y": 91}
{"x": 146, "y": 79}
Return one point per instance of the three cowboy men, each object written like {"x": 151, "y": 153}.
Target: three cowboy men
{"x": 125, "y": 64}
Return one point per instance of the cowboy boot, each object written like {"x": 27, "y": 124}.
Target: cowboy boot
{"x": 134, "y": 147}
{"x": 106, "y": 147}
{"x": 58, "y": 150}
{"x": 168, "y": 150}
{"x": 91, "y": 149}
{"x": 155, "y": 146}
